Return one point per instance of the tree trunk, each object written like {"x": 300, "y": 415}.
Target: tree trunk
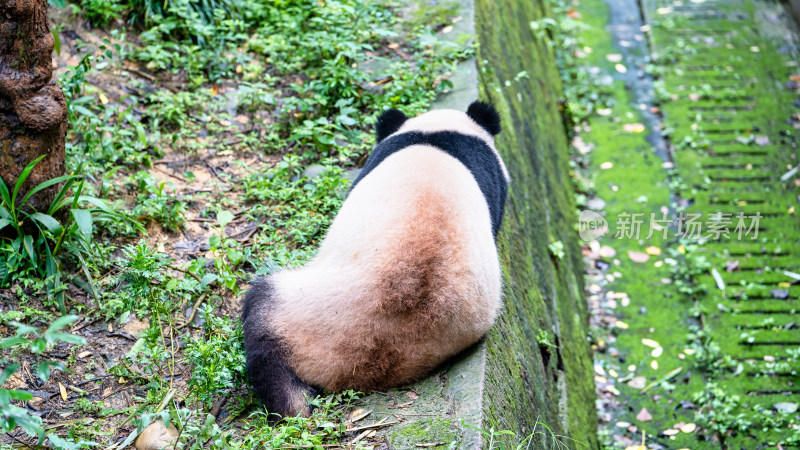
{"x": 33, "y": 110}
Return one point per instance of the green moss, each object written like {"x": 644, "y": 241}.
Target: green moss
{"x": 722, "y": 120}
{"x": 425, "y": 431}
{"x": 526, "y": 380}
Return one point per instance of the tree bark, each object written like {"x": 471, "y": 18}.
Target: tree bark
{"x": 33, "y": 110}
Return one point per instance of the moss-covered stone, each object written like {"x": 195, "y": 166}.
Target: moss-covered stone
{"x": 533, "y": 371}
{"x": 438, "y": 431}
{"x": 527, "y": 380}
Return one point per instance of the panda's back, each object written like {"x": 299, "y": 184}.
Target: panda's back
{"x": 411, "y": 254}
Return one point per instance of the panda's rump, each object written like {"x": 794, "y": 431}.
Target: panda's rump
{"x": 396, "y": 287}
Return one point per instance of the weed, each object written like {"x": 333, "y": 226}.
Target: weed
{"x": 29, "y": 339}
{"x": 299, "y": 209}
{"x": 717, "y": 410}
{"x": 38, "y": 235}
{"x": 556, "y": 440}
{"x": 155, "y": 204}
{"x": 319, "y": 429}
{"x": 217, "y": 358}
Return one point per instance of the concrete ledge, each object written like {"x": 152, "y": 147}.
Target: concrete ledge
{"x": 535, "y": 364}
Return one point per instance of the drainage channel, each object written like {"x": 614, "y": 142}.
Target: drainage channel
{"x": 717, "y": 142}
{"x": 724, "y": 68}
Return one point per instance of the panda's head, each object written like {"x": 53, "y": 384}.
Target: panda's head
{"x": 481, "y": 120}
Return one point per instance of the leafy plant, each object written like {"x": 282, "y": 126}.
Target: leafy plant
{"x": 218, "y": 359}
{"x": 325, "y": 426}
{"x": 557, "y": 441}
{"x": 27, "y": 251}
{"x": 156, "y": 204}
{"x": 29, "y": 339}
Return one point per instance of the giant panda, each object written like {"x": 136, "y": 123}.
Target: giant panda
{"x": 406, "y": 277}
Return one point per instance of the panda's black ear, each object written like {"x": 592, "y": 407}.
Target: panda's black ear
{"x": 390, "y": 121}
{"x": 486, "y": 116}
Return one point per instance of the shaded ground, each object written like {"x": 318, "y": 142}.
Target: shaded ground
{"x": 696, "y": 317}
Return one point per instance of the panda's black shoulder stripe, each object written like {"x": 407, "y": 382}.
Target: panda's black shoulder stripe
{"x": 471, "y": 151}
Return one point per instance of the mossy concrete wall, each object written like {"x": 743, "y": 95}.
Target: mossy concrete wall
{"x": 539, "y": 362}
{"x": 535, "y": 365}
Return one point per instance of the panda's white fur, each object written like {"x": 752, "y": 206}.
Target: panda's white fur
{"x": 406, "y": 277}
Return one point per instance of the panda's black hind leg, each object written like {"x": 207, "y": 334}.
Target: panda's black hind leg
{"x": 276, "y": 384}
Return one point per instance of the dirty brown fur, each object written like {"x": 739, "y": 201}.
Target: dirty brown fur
{"x": 407, "y": 276}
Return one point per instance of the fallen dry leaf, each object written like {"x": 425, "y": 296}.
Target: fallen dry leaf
{"x": 780, "y": 294}
{"x": 688, "y": 428}
{"x": 63, "y": 391}
{"x": 652, "y": 250}
{"x": 620, "y": 68}
{"x": 650, "y": 343}
{"x": 633, "y": 127}
{"x": 644, "y": 416}
{"x": 607, "y": 165}
{"x": 786, "y": 407}
{"x": 614, "y": 57}
{"x": 607, "y": 252}
{"x": 638, "y": 257}
{"x": 637, "y": 382}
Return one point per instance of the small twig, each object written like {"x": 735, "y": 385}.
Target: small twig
{"x": 177, "y": 177}
{"x": 94, "y": 379}
{"x": 246, "y": 230}
{"x": 374, "y": 425}
{"x": 194, "y": 311}
{"x": 21, "y": 442}
{"x": 429, "y": 444}
{"x": 360, "y": 436}
{"x": 85, "y": 324}
{"x": 140, "y": 73}
{"x": 123, "y": 335}
{"x": 178, "y": 269}
{"x": 211, "y": 167}
{"x": 312, "y": 446}
{"x": 219, "y": 405}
